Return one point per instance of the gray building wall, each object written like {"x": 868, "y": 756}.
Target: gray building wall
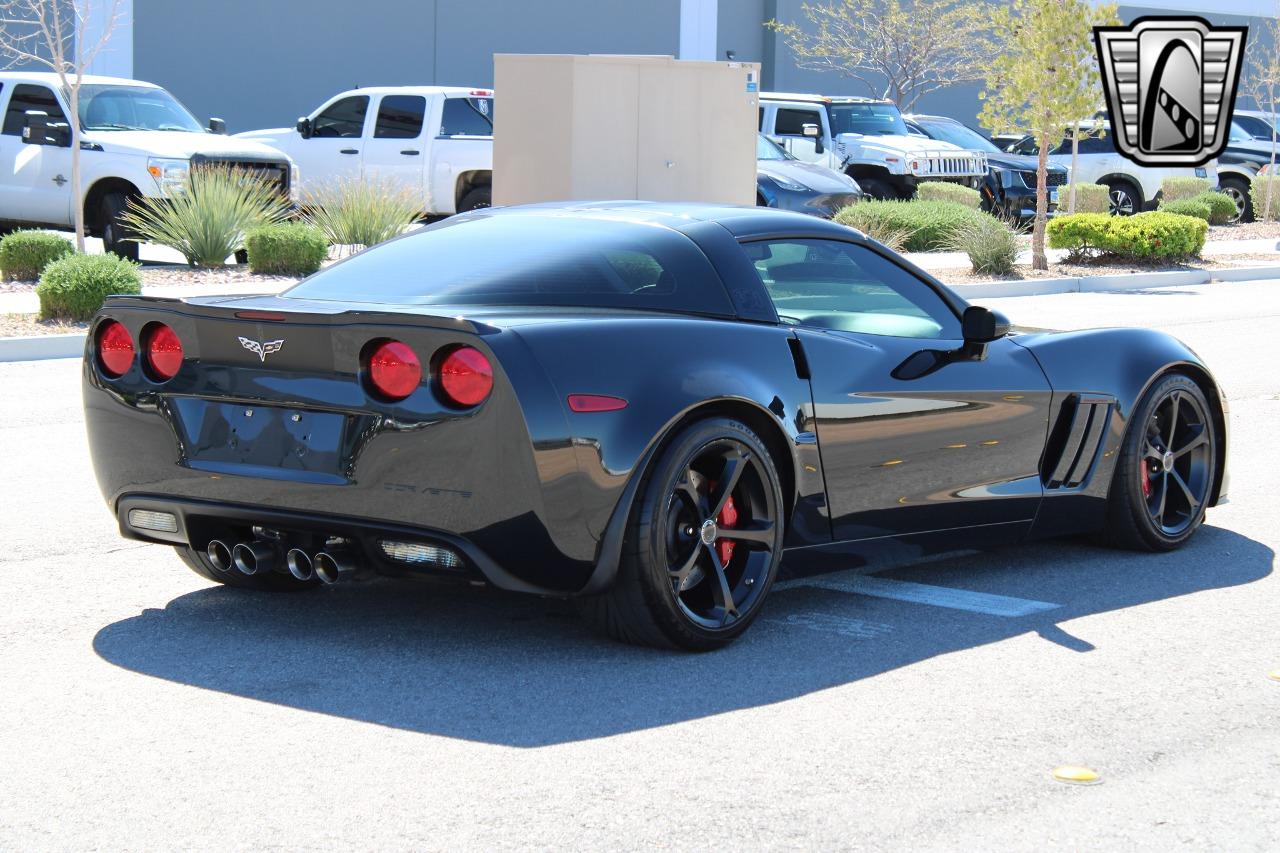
{"x": 262, "y": 64}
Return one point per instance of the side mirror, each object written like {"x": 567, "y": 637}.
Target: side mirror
{"x": 36, "y": 129}
{"x": 218, "y": 126}
{"x": 814, "y": 132}
{"x": 982, "y": 325}
{"x": 304, "y": 127}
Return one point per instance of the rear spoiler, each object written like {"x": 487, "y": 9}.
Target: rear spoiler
{"x": 266, "y": 308}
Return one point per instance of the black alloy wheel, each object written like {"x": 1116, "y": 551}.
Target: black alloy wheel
{"x": 1177, "y": 464}
{"x": 719, "y": 535}
{"x": 1165, "y": 476}
{"x": 703, "y": 542}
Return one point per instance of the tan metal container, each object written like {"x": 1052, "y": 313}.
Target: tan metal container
{"x": 581, "y": 128}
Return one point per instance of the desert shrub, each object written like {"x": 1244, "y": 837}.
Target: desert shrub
{"x": 1258, "y": 194}
{"x": 1157, "y": 235}
{"x": 1090, "y": 198}
{"x": 286, "y": 248}
{"x": 992, "y": 245}
{"x": 206, "y": 216}
{"x": 943, "y": 191}
{"x": 25, "y": 254}
{"x": 922, "y": 225}
{"x": 1174, "y": 189}
{"x": 1188, "y": 207}
{"x": 73, "y": 288}
{"x": 362, "y": 212}
{"x": 1081, "y": 234}
{"x": 1221, "y": 207}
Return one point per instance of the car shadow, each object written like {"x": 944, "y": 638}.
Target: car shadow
{"x": 526, "y": 672}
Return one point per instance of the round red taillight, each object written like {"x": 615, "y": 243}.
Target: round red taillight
{"x": 394, "y": 370}
{"x": 115, "y": 348}
{"x": 466, "y": 376}
{"x": 163, "y": 351}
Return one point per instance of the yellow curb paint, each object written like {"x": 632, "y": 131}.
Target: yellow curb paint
{"x": 1274, "y": 675}
{"x": 1075, "y": 775}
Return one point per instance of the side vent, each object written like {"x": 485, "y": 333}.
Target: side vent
{"x": 798, "y": 356}
{"x": 1076, "y": 440}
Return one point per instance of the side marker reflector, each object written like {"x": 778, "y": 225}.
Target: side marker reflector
{"x": 595, "y": 403}
{"x": 1076, "y": 775}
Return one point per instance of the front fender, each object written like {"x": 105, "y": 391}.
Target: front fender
{"x": 1123, "y": 364}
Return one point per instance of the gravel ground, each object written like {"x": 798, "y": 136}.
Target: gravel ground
{"x": 26, "y": 325}
{"x": 169, "y": 276}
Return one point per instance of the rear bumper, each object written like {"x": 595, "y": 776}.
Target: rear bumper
{"x": 198, "y": 522}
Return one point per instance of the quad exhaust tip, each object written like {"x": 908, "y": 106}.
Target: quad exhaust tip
{"x": 334, "y": 566}
{"x": 219, "y": 554}
{"x": 299, "y": 564}
{"x": 258, "y": 557}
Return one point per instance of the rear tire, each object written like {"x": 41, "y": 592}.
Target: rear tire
{"x": 1126, "y": 199}
{"x": 113, "y": 228}
{"x": 476, "y": 199}
{"x": 1167, "y": 467}
{"x": 674, "y": 588}
{"x": 1238, "y": 190}
{"x": 268, "y": 582}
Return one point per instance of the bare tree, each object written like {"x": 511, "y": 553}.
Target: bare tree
{"x": 900, "y": 51}
{"x": 1263, "y": 85}
{"x": 55, "y": 34}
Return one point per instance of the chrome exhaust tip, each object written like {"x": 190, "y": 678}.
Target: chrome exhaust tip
{"x": 219, "y": 554}
{"x": 334, "y": 566}
{"x": 255, "y": 558}
{"x": 299, "y": 564}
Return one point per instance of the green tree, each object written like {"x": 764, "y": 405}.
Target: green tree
{"x": 1043, "y": 78}
{"x": 1262, "y": 83}
{"x": 899, "y": 51}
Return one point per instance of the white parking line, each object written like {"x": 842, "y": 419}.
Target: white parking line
{"x": 938, "y": 596}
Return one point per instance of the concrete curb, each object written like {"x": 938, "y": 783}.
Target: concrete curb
{"x": 1109, "y": 283}
{"x": 38, "y": 347}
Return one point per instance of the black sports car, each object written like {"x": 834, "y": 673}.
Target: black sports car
{"x": 650, "y": 407}
{"x": 786, "y": 183}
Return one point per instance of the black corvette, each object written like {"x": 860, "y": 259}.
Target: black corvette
{"x": 653, "y": 408}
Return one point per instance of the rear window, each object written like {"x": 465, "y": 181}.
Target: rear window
{"x": 515, "y": 259}
{"x": 467, "y": 117}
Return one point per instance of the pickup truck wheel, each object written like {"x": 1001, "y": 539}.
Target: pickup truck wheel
{"x": 878, "y": 188}
{"x": 113, "y": 228}
{"x": 476, "y": 199}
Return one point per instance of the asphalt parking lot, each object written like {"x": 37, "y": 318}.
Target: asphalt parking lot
{"x": 142, "y": 708}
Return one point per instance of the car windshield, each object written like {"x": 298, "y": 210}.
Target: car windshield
{"x": 529, "y": 260}
{"x": 114, "y": 107}
{"x": 767, "y": 149}
{"x": 869, "y": 119}
{"x": 958, "y": 134}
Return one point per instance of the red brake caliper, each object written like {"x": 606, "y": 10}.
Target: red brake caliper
{"x": 1144, "y": 474}
{"x": 727, "y": 519}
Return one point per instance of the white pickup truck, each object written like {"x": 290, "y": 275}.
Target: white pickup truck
{"x": 434, "y": 139}
{"x": 135, "y": 140}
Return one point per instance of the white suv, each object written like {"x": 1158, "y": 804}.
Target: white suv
{"x": 1133, "y": 188}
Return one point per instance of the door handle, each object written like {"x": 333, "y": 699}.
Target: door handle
{"x": 412, "y": 152}
{"x": 349, "y": 151}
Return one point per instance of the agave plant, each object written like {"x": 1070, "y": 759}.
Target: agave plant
{"x": 206, "y": 217}
{"x": 362, "y": 212}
